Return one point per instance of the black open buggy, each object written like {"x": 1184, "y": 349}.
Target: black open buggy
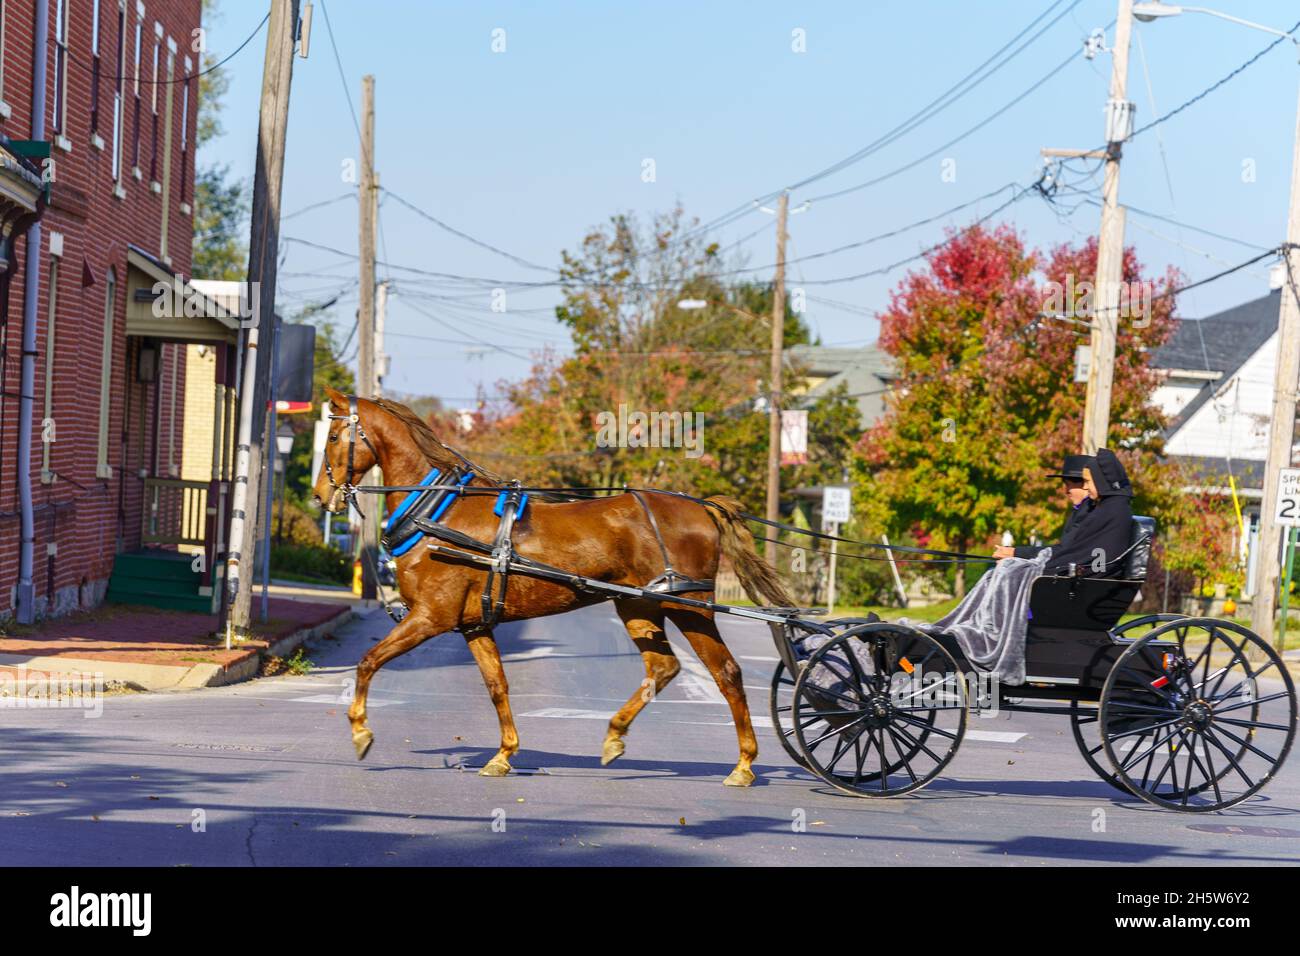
{"x": 1187, "y": 713}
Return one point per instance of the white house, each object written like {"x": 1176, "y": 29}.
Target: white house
{"x": 1218, "y": 392}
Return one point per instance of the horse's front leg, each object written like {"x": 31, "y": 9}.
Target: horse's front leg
{"x": 416, "y": 628}
{"x": 484, "y": 648}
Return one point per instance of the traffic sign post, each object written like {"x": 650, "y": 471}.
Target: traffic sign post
{"x": 1287, "y": 516}
{"x": 837, "y": 502}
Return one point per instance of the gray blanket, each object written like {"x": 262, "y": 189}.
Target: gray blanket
{"x": 989, "y": 624}
{"x": 991, "y": 620}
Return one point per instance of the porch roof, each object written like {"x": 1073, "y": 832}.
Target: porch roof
{"x": 163, "y": 304}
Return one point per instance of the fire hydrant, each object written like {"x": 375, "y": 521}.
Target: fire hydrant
{"x": 356, "y": 577}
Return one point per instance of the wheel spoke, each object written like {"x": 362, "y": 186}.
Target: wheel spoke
{"x": 1143, "y": 730}
{"x": 1135, "y": 756}
{"x": 836, "y": 730}
{"x": 1209, "y": 735}
{"x": 1280, "y": 695}
{"x": 1246, "y": 743}
{"x": 918, "y": 744}
{"x": 1249, "y": 723}
{"x": 902, "y": 757}
{"x": 934, "y": 730}
{"x": 1214, "y": 777}
{"x": 857, "y": 749}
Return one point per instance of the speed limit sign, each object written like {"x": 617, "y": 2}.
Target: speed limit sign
{"x": 1288, "y": 497}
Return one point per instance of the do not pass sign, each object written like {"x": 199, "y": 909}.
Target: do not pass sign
{"x": 1288, "y": 497}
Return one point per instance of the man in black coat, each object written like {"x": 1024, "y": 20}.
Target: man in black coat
{"x": 1104, "y": 534}
{"x": 1071, "y": 475}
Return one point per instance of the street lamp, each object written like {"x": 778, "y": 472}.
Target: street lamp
{"x": 284, "y": 445}
{"x": 1147, "y": 12}
{"x": 1281, "y": 432}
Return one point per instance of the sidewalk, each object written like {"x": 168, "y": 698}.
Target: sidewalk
{"x": 147, "y": 648}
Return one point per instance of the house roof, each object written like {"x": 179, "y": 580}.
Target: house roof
{"x": 1217, "y": 343}
{"x": 865, "y": 373}
{"x": 1213, "y": 473}
{"x": 1223, "y": 341}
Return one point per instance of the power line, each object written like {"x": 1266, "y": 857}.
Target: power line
{"x": 90, "y": 67}
{"x": 466, "y": 236}
{"x": 1016, "y": 197}
{"x": 946, "y": 98}
{"x": 952, "y": 142}
{"x": 1210, "y": 89}
{"x": 318, "y": 205}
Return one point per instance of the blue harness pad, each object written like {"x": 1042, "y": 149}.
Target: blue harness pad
{"x": 501, "y": 504}
{"x": 413, "y": 503}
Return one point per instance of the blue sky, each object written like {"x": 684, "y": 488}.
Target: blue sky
{"x": 528, "y": 148}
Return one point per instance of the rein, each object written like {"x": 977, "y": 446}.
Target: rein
{"x": 351, "y": 490}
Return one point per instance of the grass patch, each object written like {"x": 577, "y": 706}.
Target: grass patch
{"x": 297, "y": 665}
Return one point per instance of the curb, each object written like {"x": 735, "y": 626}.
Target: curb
{"x": 160, "y": 677}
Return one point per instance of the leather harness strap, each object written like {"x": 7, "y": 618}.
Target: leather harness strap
{"x": 508, "y": 506}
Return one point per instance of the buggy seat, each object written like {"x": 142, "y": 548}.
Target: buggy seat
{"x": 1070, "y": 618}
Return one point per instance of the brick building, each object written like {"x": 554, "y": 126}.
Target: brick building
{"x": 120, "y": 108}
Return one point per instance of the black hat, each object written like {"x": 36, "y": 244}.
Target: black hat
{"x": 1110, "y": 477}
{"x": 1073, "y": 467}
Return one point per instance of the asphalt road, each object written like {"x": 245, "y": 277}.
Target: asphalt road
{"x": 268, "y": 768}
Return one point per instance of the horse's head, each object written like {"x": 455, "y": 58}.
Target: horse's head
{"x": 349, "y": 452}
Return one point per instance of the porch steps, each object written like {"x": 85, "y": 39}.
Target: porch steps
{"x": 157, "y": 578}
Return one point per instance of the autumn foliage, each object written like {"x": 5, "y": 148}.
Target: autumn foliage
{"x": 985, "y": 404}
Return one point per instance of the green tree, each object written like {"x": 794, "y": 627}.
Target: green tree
{"x": 985, "y": 407}
{"x": 637, "y": 349}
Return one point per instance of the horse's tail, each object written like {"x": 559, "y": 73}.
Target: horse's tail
{"x": 757, "y": 577}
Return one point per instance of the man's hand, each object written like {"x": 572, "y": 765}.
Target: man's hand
{"x": 1002, "y": 551}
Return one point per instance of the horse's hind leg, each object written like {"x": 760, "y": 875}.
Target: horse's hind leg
{"x": 645, "y": 624}
{"x": 413, "y": 630}
{"x": 702, "y": 632}
{"x": 484, "y": 648}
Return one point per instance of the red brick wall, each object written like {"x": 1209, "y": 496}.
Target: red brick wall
{"x": 96, "y": 228}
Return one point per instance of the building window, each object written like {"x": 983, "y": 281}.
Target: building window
{"x": 48, "y": 435}
{"x": 139, "y": 43}
{"x": 102, "y": 470}
{"x": 153, "y": 142}
{"x": 185, "y": 131}
{"x": 169, "y": 110}
{"x": 118, "y": 88}
{"x": 61, "y": 66}
{"x": 94, "y": 63}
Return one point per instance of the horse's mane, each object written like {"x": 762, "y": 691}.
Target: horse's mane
{"x": 430, "y": 446}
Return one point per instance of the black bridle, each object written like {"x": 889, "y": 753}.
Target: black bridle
{"x": 355, "y": 431}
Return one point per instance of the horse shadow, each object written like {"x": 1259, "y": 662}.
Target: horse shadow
{"x": 528, "y": 761}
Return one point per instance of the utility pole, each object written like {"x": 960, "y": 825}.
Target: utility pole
{"x": 366, "y": 319}
{"x": 774, "y": 388}
{"x": 1281, "y": 430}
{"x": 263, "y": 245}
{"x": 381, "y": 357}
{"x": 1110, "y": 244}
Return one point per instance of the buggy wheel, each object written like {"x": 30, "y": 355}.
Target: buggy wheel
{"x": 879, "y": 710}
{"x": 1085, "y": 720}
{"x": 1197, "y": 715}
{"x": 781, "y": 703}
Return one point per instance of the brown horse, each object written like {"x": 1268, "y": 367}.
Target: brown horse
{"x": 608, "y": 539}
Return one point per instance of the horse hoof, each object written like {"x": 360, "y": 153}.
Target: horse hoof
{"x": 740, "y": 777}
{"x": 362, "y": 739}
{"x": 612, "y": 750}
{"x": 498, "y": 766}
